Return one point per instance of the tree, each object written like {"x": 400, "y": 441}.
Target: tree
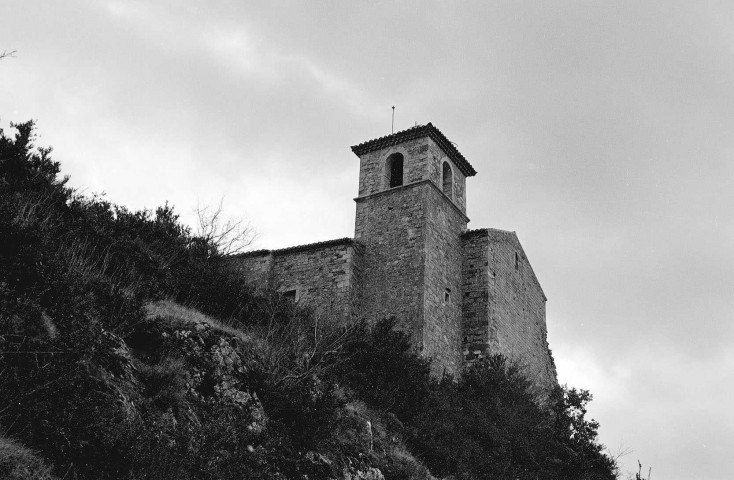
{"x": 228, "y": 236}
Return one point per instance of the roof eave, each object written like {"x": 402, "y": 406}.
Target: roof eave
{"x": 414, "y": 133}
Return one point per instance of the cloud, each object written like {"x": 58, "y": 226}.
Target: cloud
{"x": 237, "y": 49}
{"x": 352, "y": 96}
{"x": 671, "y": 404}
{"x": 601, "y": 133}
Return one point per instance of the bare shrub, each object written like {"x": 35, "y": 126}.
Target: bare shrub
{"x": 300, "y": 343}
{"x": 227, "y": 235}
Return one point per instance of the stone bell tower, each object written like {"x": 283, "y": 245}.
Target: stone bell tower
{"x": 411, "y": 214}
{"x": 460, "y": 295}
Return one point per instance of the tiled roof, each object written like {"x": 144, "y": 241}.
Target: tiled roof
{"x": 299, "y": 248}
{"x": 485, "y": 231}
{"x": 417, "y": 132}
{"x": 317, "y": 245}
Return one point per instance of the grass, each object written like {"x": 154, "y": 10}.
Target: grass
{"x": 20, "y": 463}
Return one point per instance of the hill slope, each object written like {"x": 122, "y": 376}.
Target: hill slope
{"x": 105, "y": 374}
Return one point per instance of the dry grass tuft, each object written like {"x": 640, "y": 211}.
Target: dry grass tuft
{"x": 20, "y": 463}
{"x": 175, "y": 313}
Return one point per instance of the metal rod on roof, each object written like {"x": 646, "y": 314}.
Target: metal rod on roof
{"x": 392, "y": 128}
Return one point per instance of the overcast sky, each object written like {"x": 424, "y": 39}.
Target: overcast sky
{"x": 603, "y": 134}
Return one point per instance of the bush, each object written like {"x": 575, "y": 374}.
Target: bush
{"x": 73, "y": 269}
{"x": 488, "y": 425}
{"x": 381, "y": 369}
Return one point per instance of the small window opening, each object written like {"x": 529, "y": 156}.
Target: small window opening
{"x": 290, "y": 295}
{"x": 517, "y": 261}
{"x": 447, "y": 295}
{"x": 448, "y": 180}
{"x": 394, "y": 170}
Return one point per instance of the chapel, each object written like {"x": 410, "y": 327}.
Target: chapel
{"x": 459, "y": 294}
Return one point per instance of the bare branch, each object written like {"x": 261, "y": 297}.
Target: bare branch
{"x": 7, "y": 54}
{"x": 229, "y": 236}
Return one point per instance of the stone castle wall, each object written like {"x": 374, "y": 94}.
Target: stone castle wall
{"x": 510, "y": 317}
{"x": 325, "y": 276}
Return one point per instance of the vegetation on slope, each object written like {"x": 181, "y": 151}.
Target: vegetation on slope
{"x": 105, "y": 374}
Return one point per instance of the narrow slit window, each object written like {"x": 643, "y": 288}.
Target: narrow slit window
{"x": 394, "y": 170}
{"x": 448, "y": 180}
{"x": 517, "y": 261}
{"x": 447, "y": 295}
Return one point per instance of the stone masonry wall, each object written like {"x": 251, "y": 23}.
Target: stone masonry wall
{"x": 436, "y": 175}
{"x": 475, "y": 301}
{"x": 391, "y": 226}
{"x": 372, "y": 173}
{"x": 442, "y": 297}
{"x": 325, "y": 276}
{"x": 254, "y": 266}
{"x": 422, "y": 160}
{"x": 516, "y": 324}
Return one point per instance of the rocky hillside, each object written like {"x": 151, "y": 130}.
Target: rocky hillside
{"x": 105, "y": 374}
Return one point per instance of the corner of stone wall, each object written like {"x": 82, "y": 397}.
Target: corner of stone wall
{"x": 357, "y": 280}
{"x": 256, "y": 267}
{"x": 517, "y": 308}
{"x": 475, "y": 296}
